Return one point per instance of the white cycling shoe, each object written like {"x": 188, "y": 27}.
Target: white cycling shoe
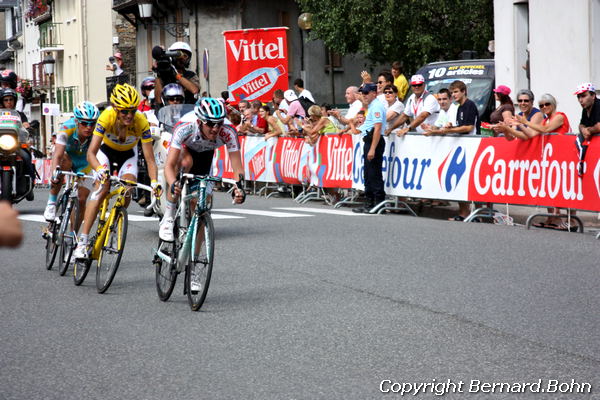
{"x": 165, "y": 230}
{"x": 80, "y": 252}
{"x": 50, "y": 212}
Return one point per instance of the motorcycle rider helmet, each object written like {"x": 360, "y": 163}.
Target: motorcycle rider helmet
{"x": 148, "y": 83}
{"x": 124, "y": 96}
{"x": 173, "y": 91}
{"x": 208, "y": 109}
{"x": 8, "y": 92}
{"x": 86, "y": 112}
{"x": 8, "y": 76}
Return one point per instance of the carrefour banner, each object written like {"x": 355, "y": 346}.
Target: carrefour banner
{"x": 257, "y": 63}
{"x": 541, "y": 171}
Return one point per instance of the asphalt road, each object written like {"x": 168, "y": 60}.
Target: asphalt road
{"x": 309, "y": 305}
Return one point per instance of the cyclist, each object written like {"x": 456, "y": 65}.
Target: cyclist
{"x": 192, "y": 149}
{"x": 114, "y": 150}
{"x": 70, "y": 152}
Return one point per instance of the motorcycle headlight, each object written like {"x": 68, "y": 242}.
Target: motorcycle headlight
{"x": 8, "y": 143}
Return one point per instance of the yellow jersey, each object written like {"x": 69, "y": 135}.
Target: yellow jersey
{"x": 108, "y": 126}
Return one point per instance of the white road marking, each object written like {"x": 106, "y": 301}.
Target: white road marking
{"x": 261, "y": 213}
{"x": 133, "y": 218}
{"x": 321, "y": 211}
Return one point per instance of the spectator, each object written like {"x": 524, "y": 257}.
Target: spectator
{"x": 506, "y": 110}
{"x": 421, "y": 107}
{"x": 327, "y": 111}
{"x": 243, "y": 105}
{"x": 393, "y": 106}
{"x": 258, "y": 125}
{"x": 299, "y": 87}
{"x": 447, "y": 115}
{"x": 11, "y": 232}
{"x": 355, "y": 123}
{"x": 555, "y": 121}
{"x": 373, "y": 148}
{"x": 384, "y": 79}
{"x": 274, "y": 128}
{"x": 116, "y": 64}
{"x": 52, "y": 146}
{"x": 295, "y": 115}
{"x": 590, "y": 121}
{"x": 279, "y": 102}
{"x": 354, "y": 103}
{"x": 525, "y": 100}
{"x": 399, "y": 80}
{"x": 317, "y": 124}
{"x": 246, "y": 121}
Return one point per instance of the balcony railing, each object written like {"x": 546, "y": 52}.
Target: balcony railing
{"x": 38, "y": 11}
{"x": 50, "y": 35}
{"x": 66, "y": 97}
{"x": 40, "y": 79}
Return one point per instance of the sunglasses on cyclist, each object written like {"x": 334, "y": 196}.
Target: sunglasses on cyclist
{"x": 86, "y": 122}
{"x": 211, "y": 124}
{"x": 126, "y": 111}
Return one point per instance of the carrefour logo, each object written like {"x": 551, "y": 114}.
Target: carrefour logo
{"x": 452, "y": 169}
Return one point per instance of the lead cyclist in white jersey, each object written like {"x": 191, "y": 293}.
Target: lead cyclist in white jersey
{"x": 192, "y": 148}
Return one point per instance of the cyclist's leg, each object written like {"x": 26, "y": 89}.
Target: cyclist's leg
{"x": 165, "y": 230}
{"x": 50, "y": 211}
{"x": 128, "y": 170}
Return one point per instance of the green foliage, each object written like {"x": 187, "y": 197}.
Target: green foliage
{"x": 412, "y": 31}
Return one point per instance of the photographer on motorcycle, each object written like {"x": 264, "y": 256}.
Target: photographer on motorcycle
{"x": 171, "y": 67}
{"x": 8, "y": 99}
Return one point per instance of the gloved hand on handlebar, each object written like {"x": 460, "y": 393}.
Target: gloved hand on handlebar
{"x": 156, "y": 188}
{"x": 238, "y": 194}
{"x": 102, "y": 173}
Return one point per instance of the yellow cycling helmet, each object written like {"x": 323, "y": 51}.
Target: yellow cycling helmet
{"x": 125, "y": 96}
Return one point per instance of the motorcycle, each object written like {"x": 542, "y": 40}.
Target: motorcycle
{"x": 15, "y": 183}
{"x": 168, "y": 117}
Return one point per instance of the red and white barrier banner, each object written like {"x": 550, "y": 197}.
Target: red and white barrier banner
{"x": 257, "y": 63}
{"x": 541, "y": 171}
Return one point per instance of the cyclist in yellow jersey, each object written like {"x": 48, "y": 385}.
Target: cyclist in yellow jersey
{"x": 114, "y": 150}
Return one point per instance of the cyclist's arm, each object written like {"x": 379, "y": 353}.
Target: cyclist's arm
{"x": 150, "y": 161}
{"x": 236, "y": 164}
{"x": 93, "y": 150}
{"x": 57, "y": 156}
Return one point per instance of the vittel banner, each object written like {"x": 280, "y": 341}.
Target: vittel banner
{"x": 256, "y": 63}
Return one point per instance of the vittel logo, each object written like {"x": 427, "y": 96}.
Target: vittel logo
{"x": 340, "y": 160}
{"x": 252, "y": 51}
{"x": 452, "y": 169}
{"x": 290, "y": 157}
{"x": 597, "y": 177}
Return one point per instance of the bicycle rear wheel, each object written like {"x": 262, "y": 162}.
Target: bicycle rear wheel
{"x": 68, "y": 228}
{"x": 51, "y": 247}
{"x": 199, "y": 271}
{"x": 110, "y": 255}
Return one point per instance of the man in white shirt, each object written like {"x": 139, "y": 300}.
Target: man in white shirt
{"x": 299, "y": 87}
{"x": 422, "y": 107}
{"x": 447, "y": 115}
{"x": 355, "y": 106}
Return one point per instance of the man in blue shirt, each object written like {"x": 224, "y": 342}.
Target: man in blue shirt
{"x": 373, "y": 148}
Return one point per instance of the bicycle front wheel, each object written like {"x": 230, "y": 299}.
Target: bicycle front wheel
{"x": 198, "y": 271}
{"x": 110, "y": 255}
{"x": 68, "y": 228}
{"x": 166, "y": 272}
{"x": 80, "y": 270}
{"x": 51, "y": 247}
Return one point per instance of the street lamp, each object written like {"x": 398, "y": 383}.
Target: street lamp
{"x": 305, "y": 24}
{"x": 145, "y": 10}
{"x": 49, "y": 63}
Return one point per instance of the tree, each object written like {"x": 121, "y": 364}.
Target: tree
{"x": 412, "y": 31}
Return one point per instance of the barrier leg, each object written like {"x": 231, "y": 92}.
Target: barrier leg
{"x": 350, "y": 199}
{"x": 561, "y": 216}
{"x": 392, "y": 205}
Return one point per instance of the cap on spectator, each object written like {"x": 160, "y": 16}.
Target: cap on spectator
{"x": 505, "y": 90}
{"x": 585, "y": 87}
{"x": 118, "y": 55}
{"x": 53, "y": 134}
{"x": 417, "y": 79}
{"x": 290, "y": 95}
{"x": 368, "y": 87}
